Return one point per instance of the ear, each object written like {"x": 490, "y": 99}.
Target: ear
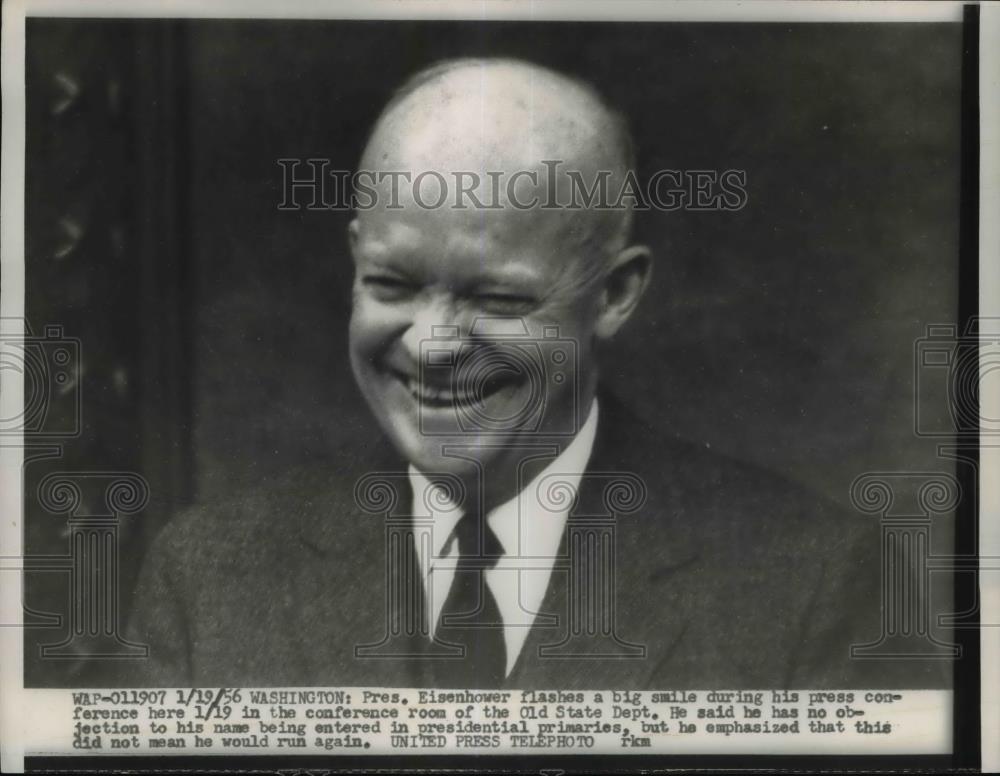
{"x": 624, "y": 285}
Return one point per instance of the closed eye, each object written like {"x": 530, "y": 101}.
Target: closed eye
{"x": 388, "y": 288}
{"x": 506, "y": 304}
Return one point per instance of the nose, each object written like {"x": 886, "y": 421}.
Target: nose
{"x": 437, "y": 321}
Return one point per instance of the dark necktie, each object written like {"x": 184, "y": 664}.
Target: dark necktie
{"x": 470, "y": 617}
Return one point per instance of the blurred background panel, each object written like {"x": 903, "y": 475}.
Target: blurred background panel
{"x": 107, "y": 280}
{"x": 213, "y": 325}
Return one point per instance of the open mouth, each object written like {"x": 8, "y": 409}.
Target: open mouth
{"x": 435, "y": 396}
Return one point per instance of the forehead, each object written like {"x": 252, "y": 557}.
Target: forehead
{"x": 503, "y": 120}
{"x": 477, "y": 245}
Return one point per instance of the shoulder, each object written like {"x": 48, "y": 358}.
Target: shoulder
{"x": 254, "y": 525}
{"x": 740, "y": 508}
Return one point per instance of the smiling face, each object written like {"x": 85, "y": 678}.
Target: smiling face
{"x": 457, "y": 329}
{"x": 477, "y": 327}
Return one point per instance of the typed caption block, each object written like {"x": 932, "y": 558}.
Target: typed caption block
{"x": 210, "y": 721}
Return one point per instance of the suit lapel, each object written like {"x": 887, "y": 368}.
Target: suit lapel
{"x": 630, "y": 507}
{"x": 357, "y": 556}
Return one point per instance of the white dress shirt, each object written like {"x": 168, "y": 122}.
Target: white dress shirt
{"x": 528, "y": 527}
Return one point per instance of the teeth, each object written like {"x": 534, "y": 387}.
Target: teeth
{"x": 432, "y": 394}
{"x": 424, "y": 392}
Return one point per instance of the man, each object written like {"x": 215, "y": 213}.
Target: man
{"x": 516, "y": 527}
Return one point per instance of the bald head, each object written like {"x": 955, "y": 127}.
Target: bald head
{"x": 508, "y": 117}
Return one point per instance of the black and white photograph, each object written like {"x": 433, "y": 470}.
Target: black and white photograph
{"x": 579, "y": 382}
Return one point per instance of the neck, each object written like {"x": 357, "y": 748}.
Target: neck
{"x": 489, "y": 485}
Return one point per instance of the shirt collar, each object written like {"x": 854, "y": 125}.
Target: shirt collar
{"x": 531, "y": 523}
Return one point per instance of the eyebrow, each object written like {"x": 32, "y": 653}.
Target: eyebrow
{"x": 516, "y": 274}
{"x": 520, "y": 274}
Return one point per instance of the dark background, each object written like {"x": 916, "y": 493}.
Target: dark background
{"x": 213, "y": 326}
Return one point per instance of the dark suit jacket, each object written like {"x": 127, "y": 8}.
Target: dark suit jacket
{"x": 726, "y": 577}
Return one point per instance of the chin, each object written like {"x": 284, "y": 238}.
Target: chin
{"x": 427, "y": 453}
